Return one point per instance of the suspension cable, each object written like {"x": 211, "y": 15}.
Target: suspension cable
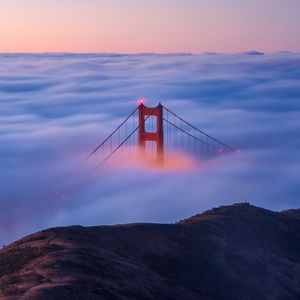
{"x": 199, "y": 130}
{"x": 182, "y": 130}
{"x": 100, "y": 145}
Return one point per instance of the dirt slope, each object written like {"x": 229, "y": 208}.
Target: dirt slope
{"x": 232, "y": 252}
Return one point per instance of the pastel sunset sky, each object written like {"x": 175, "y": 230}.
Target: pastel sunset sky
{"x": 132, "y": 26}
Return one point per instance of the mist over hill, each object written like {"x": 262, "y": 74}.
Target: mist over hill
{"x": 231, "y": 252}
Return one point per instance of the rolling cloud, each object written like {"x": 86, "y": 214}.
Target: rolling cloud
{"x": 56, "y": 107}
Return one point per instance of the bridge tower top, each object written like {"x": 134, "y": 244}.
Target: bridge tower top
{"x": 156, "y": 136}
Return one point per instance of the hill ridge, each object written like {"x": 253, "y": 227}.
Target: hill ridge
{"x": 232, "y": 252}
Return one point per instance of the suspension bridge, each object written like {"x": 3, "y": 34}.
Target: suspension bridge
{"x": 153, "y": 133}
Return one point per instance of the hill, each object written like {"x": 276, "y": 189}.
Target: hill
{"x": 231, "y": 252}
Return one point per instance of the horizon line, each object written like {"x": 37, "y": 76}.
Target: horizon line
{"x": 253, "y": 52}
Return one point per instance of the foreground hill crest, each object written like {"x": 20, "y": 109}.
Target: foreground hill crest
{"x": 231, "y": 252}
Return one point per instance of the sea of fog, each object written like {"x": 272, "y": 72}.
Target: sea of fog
{"x": 55, "y": 108}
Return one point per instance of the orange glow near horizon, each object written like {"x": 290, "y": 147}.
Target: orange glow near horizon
{"x": 131, "y": 157}
{"x": 134, "y": 26}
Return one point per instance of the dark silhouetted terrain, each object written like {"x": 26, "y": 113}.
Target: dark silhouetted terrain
{"x": 232, "y": 252}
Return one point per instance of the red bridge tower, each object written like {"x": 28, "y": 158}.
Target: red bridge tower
{"x": 157, "y": 136}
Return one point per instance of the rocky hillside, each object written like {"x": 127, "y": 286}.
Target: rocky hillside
{"x": 232, "y": 252}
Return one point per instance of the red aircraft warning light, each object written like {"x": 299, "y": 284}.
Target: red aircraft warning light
{"x": 141, "y": 101}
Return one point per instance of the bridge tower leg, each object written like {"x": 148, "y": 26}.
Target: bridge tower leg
{"x": 158, "y": 136}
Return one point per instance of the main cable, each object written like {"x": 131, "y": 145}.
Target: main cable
{"x": 199, "y": 130}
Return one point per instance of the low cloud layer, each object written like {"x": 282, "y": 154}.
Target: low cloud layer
{"x": 55, "y": 108}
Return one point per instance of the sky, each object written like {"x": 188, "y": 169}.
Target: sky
{"x": 134, "y": 26}
{"x": 55, "y": 108}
